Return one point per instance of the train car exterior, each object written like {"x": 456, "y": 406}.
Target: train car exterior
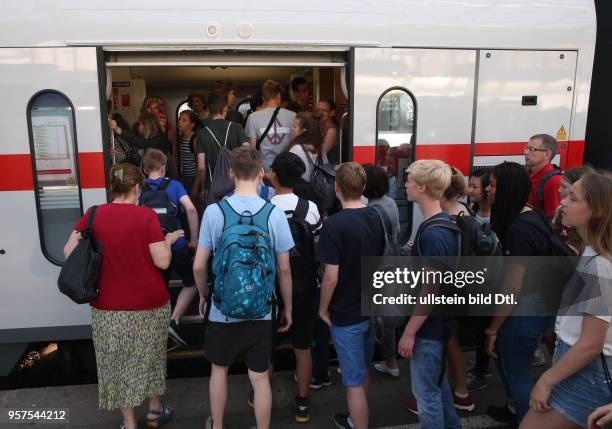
{"x": 466, "y": 82}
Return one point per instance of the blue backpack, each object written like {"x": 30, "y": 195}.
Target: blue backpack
{"x": 244, "y": 264}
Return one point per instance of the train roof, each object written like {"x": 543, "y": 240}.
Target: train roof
{"x": 311, "y": 24}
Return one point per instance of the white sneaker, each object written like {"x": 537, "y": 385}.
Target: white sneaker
{"x": 382, "y": 367}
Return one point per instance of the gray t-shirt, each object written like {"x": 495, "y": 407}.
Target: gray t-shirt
{"x": 279, "y": 135}
{"x": 391, "y": 210}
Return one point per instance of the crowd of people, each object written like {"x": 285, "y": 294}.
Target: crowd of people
{"x": 268, "y": 259}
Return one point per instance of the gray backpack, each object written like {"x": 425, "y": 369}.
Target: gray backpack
{"x": 221, "y": 182}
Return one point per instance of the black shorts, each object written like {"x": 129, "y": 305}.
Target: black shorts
{"x": 302, "y": 328}
{"x": 182, "y": 265}
{"x": 250, "y": 341}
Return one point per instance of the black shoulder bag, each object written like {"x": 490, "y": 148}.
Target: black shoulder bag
{"x": 78, "y": 278}
{"x": 265, "y": 133}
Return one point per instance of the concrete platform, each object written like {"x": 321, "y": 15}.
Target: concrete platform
{"x": 189, "y": 397}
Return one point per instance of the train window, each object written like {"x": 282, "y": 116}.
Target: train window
{"x": 395, "y": 136}
{"x": 54, "y": 165}
{"x": 395, "y": 131}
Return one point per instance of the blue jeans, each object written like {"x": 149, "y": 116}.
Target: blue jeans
{"x": 355, "y": 348}
{"x": 516, "y": 343}
{"x": 434, "y": 400}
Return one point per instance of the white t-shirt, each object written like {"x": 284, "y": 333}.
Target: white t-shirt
{"x": 590, "y": 292}
{"x": 288, "y": 202}
{"x": 299, "y": 151}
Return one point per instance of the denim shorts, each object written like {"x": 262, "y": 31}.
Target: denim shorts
{"x": 576, "y": 397}
{"x": 355, "y": 348}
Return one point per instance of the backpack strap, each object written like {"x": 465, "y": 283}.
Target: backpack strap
{"x": 430, "y": 223}
{"x": 301, "y": 209}
{"x": 215, "y": 138}
{"x": 385, "y": 221}
{"x": 540, "y": 190}
{"x": 262, "y": 217}
{"x": 164, "y": 183}
{"x": 227, "y": 133}
{"x": 265, "y": 133}
{"x": 230, "y": 217}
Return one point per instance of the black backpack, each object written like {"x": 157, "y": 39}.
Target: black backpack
{"x": 322, "y": 179}
{"x": 159, "y": 201}
{"x": 475, "y": 239}
{"x": 302, "y": 255}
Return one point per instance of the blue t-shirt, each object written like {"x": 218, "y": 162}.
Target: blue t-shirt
{"x": 212, "y": 226}
{"x": 175, "y": 191}
{"x": 438, "y": 241}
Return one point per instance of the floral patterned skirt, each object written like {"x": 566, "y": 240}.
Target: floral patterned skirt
{"x": 130, "y": 355}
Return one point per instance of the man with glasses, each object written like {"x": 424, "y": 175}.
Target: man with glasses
{"x": 545, "y": 177}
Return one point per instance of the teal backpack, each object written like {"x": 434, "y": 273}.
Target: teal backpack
{"x": 244, "y": 264}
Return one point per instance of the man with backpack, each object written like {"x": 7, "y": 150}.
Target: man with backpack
{"x": 545, "y": 177}
{"x": 305, "y": 224}
{"x": 269, "y": 129}
{"x": 249, "y": 238}
{"x": 424, "y": 338}
{"x": 345, "y": 238}
{"x": 165, "y": 196}
{"x": 214, "y": 142}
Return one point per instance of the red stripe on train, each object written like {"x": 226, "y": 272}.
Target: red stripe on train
{"x": 17, "y": 171}
{"x": 17, "y": 168}
{"x": 458, "y": 155}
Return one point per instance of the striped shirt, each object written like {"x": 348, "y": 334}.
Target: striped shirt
{"x": 189, "y": 166}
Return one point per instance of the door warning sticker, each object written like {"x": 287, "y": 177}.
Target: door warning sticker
{"x": 561, "y": 134}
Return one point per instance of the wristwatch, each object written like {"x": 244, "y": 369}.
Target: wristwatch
{"x": 490, "y": 332}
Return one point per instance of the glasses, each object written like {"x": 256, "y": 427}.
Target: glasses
{"x": 532, "y": 149}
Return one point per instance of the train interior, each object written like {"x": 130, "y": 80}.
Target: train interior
{"x": 131, "y": 84}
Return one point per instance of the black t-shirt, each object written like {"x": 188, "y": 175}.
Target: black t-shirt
{"x": 527, "y": 236}
{"x": 205, "y": 143}
{"x": 345, "y": 238}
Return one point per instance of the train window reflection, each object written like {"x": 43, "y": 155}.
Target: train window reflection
{"x": 395, "y": 131}
{"x": 55, "y": 169}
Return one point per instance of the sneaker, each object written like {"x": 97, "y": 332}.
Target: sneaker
{"x": 465, "y": 404}
{"x": 502, "y": 414}
{"x": 251, "y": 398}
{"x": 411, "y": 405}
{"x": 173, "y": 333}
{"x": 382, "y": 367}
{"x": 301, "y": 410}
{"x": 539, "y": 356}
{"x": 317, "y": 383}
{"x": 472, "y": 370}
{"x": 475, "y": 382}
{"x": 343, "y": 421}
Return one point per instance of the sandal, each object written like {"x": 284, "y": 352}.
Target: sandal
{"x": 163, "y": 416}
{"x": 122, "y": 425}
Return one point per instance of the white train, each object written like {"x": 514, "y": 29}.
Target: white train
{"x": 465, "y": 81}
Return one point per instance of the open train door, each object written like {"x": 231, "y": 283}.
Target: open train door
{"x": 52, "y": 169}
{"x": 411, "y": 104}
